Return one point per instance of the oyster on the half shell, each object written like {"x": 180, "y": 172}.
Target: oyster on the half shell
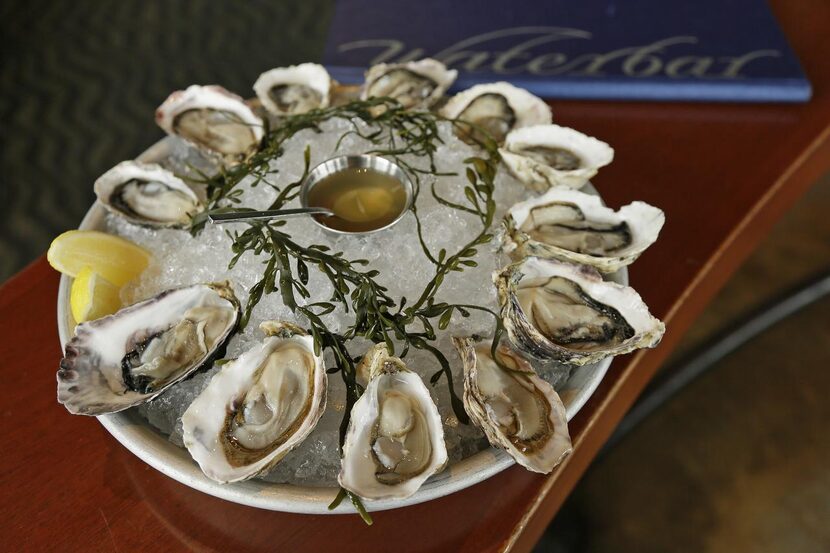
{"x": 573, "y": 226}
{"x": 132, "y": 356}
{"x": 147, "y": 194}
{"x": 214, "y": 120}
{"x": 258, "y": 407}
{"x": 518, "y": 411}
{"x": 545, "y": 156}
{"x": 567, "y": 313}
{"x": 415, "y": 84}
{"x": 295, "y": 89}
{"x": 395, "y": 439}
{"x": 497, "y": 109}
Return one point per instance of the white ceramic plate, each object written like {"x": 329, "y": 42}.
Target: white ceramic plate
{"x": 153, "y": 447}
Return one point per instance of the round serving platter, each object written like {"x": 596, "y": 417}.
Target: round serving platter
{"x": 154, "y": 448}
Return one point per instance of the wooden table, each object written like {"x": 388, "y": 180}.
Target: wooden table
{"x": 722, "y": 173}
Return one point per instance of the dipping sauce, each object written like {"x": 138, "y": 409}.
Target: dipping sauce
{"x": 362, "y": 199}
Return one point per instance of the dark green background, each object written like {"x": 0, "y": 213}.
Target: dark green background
{"x": 80, "y": 82}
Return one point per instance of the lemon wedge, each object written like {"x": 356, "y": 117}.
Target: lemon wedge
{"x": 115, "y": 259}
{"x": 92, "y": 296}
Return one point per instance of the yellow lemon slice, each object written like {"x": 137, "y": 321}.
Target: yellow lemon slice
{"x": 115, "y": 259}
{"x": 92, "y": 296}
{"x": 362, "y": 205}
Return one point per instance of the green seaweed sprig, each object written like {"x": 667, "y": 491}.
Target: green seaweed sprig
{"x": 398, "y": 134}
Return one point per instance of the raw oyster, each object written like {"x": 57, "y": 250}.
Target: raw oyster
{"x": 544, "y": 156}
{"x": 415, "y": 84}
{"x": 295, "y": 89}
{"x": 567, "y": 313}
{"x": 132, "y": 356}
{"x": 147, "y": 194}
{"x": 258, "y": 407}
{"x": 497, "y": 108}
{"x": 518, "y": 411}
{"x": 395, "y": 440}
{"x": 573, "y": 226}
{"x": 214, "y": 120}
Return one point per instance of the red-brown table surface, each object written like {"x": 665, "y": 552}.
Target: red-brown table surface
{"x": 722, "y": 173}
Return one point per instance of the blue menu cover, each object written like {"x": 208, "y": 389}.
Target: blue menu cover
{"x": 707, "y": 50}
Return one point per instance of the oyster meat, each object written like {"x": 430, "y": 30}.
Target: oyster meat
{"x": 295, "y": 89}
{"x": 567, "y": 313}
{"x": 546, "y": 156}
{"x": 496, "y": 109}
{"x": 132, "y": 356}
{"x": 415, "y": 84}
{"x": 573, "y": 226}
{"x": 258, "y": 407}
{"x": 395, "y": 439}
{"x": 214, "y": 120}
{"x": 518, "y": 411}
{"x": 147, "y": 194}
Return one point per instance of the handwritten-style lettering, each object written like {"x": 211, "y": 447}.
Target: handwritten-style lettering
{"x": 656, "y": 58}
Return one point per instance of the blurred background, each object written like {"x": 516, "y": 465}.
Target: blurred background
{"x": 80, "y": 82}
{"x": 739, "y": 460}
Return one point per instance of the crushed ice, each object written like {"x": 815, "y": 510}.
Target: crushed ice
{"x": 181, "y": 259}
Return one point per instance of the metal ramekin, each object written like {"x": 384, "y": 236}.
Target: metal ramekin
{"x": 364, "y": 161}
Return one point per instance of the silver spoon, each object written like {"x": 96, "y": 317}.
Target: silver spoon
{"x": 240, "y": 216}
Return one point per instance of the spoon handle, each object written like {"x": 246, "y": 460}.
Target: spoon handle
{"x": 240, "y": 216}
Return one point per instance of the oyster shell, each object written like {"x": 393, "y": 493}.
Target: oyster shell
{"x": 258, "y": 407}
{"x": 567, "y": 313}
{"x": 545, "y": 156}
{"x": 295, "y": 89}
{"x": 573, "y": 226}
{"x": 497, "y": 108}
{"x": 395, "y": 439}
{"x": 415, "y": 84}
{"x": 147, "y": 194}
{"x": 518, "y": 411}
{"x": 214, "y": 120}
{"x": 132, "y": 356}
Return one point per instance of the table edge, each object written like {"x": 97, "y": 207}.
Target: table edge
{"x": 788, "y": 187}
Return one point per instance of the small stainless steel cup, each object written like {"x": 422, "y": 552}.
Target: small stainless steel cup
{"x": 364, "y": 161}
